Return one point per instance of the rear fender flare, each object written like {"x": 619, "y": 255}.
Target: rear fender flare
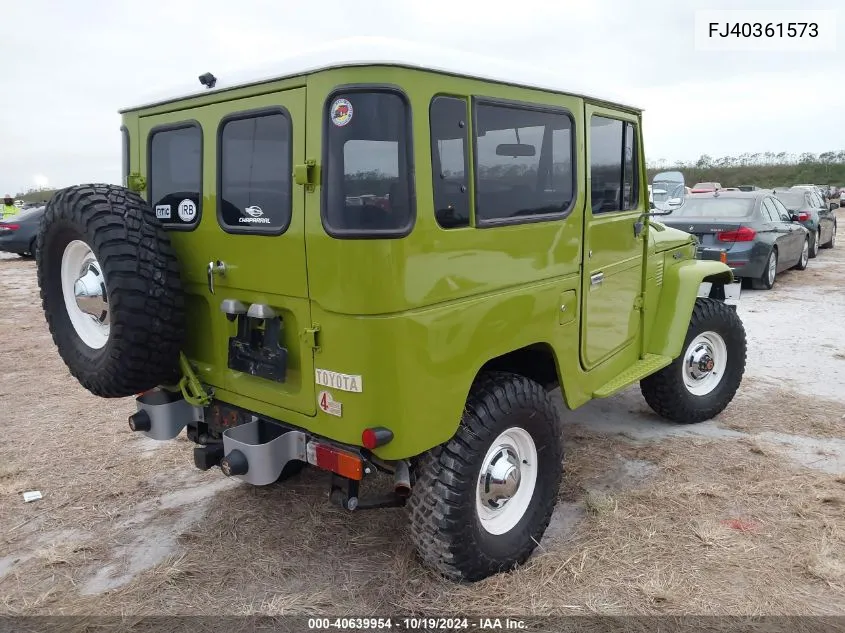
{"x": 682, "y": 285}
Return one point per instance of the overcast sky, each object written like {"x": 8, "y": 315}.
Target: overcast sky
{"x": 66, "y": 67}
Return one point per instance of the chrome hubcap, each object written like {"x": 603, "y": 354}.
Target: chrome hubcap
{"x": 773, "y": 265}
{"x": 500, "y": 477}
{"x": 90, "y": 292}
{"x": 817, "y": 243}
{"x": 805, "y": 254}
{"x": 705, "y": 362}
{"x": 700, "y": 362}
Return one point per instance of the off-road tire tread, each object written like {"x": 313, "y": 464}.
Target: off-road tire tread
{"x": 446, "y": 473}
{"x": 664, "y": 390}
{"x": 146, "y": 301}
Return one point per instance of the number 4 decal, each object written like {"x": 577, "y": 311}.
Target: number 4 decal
{"x": 328, "y": 404}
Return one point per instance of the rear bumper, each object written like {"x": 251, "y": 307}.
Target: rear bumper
{"x": 13, "y": 244}
{"x": 252, "y": 449}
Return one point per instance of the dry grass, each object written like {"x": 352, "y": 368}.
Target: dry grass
{"x": 714, "y": 526}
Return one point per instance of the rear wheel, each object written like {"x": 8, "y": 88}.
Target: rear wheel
{"x": 817, "y": 242}
{"x": 805, "y": 255}
{"x": 483, "y": 500}
{"x": 110, "y": 290}
{"x": 703, "y": 380}
{"x": 767, "y": 279}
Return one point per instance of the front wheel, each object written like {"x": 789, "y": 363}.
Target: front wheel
{"x": 700, "y": 383}
{"x": 483, "y": 500}
{"x": 832, "y": 242}
{"x": 805, "y": 255}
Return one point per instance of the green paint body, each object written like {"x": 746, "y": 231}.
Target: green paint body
{"x": 418, "y": 317}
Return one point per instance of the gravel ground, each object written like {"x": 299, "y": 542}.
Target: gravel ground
{"x": 739, "y": 515}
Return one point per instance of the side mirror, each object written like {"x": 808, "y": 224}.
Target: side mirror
{"x": 833, "y": 206}
{"x": 675, "y": 202}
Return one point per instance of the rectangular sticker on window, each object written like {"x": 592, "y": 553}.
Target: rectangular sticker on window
{"x": 163, "y": 211}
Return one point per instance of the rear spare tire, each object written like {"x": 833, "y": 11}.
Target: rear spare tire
{"x": 110, "y": 289}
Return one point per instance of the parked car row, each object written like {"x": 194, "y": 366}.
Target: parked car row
{"x": 758, "y": 232}
{"x": 18, "y": 233}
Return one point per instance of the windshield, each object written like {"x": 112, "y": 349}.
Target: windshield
{"x": 716, "y": 208}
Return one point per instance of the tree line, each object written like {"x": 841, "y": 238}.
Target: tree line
{"x": 767, "y": 169}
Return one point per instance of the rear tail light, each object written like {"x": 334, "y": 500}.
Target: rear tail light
{"x": 335, "y": 460}
{"x": 9, "y": 228}
{"x": 803, "y": 216}
{"x": 742, "y": 234}
{"x": 723, "y": 257}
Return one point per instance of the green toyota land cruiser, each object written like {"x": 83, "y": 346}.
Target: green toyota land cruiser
{"x": 377, "y": 259}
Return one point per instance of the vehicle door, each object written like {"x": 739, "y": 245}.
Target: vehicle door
{"x": 794, "y": 234}
{"x": 220, "y": 179}
{"x": 826, "y": 218}
{"x": 779, "y": 231}
{"x": 613, "y": 245}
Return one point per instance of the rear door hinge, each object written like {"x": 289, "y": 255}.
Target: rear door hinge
{"x": 307, "y": 173}
{"x": 309, "y": 336}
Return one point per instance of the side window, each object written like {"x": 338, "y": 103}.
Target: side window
{"x": 613, "y": 165}
{"x": 175, "y": 174}
{"x": 254, "y": 178}
{"x": 523, "y": 163}
{"x": 768, "y": 211}
{"x": 817, "y": 200}
{"x": 449, "y": 161}
{"x": 781, "y": 210}
{"x": 368, "y": 189}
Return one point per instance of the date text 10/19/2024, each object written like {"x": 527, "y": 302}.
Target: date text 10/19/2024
{"x": 415, "y": 624}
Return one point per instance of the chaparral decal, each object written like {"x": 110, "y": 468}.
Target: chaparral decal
{"x": 344, "y": 382}
{"x": 341, "y": 112}
{"x": 256, "y": 214}
{"x": 328, "y": 404}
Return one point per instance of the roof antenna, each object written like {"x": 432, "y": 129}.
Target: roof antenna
{"x": 208, "y": 80}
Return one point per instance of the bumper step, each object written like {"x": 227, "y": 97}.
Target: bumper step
{"x": 258, "y": 451}
{"x": 163, "y": 414}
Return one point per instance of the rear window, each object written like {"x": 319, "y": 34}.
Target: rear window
{"x": 793, "y": 200}
{"x": 175, "y": 174}
{"x": 716, "y": 207}
{"x": 367, "y": 181}
{"x": 255, "y": 173}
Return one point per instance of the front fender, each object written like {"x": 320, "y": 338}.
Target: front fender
{"x": 679, "y": 291}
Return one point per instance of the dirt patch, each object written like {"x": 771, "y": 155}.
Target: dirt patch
{"x": 739, "y": 515}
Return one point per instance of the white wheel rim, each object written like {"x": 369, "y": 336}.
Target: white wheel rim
{"x": 773, "y": 268}
{"x": 507, "y": 481}
{"x": 704, "y": 363}
{"x": 85, "y": 295}
{"x": 817, "y": 242}
{"x": 805, "y": 253}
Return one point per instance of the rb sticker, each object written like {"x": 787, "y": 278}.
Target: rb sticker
{"x": 329, "y": 405}
{"x": 341, "y": 112}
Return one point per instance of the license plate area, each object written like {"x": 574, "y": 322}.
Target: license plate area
{"x": 256, "y": 348}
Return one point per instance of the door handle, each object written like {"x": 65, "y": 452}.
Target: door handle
{"x": 215, "y": 268}
{"x": 596, "y": 279}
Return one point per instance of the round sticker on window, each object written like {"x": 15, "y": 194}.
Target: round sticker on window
{"x": 187, "y": 210}
{"x": 341, "y": 112}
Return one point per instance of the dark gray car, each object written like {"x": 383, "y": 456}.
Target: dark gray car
{"x": 17, "y": 233}
{"x": 761, "y": 238}
{"x": 813, "y": 213}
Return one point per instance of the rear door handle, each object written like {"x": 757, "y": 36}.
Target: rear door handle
{"x": 596, "y": 279}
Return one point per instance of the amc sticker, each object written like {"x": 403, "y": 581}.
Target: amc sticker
{"x": 329, "y": 405}
{"x": 344, "y": 382}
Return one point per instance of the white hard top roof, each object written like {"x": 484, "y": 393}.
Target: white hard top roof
{"x": 368, "y": 51}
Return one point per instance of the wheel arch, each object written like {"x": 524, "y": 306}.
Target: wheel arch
{"x": 682, "y": 285}
{"x": 537, "y": 362}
